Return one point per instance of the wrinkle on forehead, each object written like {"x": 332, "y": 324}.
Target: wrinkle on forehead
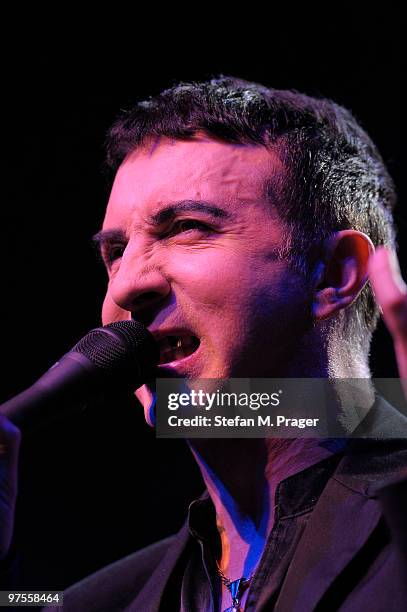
{"x": 201, "y": 146}
{"x": 202, "y": 168}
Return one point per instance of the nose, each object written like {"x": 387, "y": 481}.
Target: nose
{"x": 139, "y": 285}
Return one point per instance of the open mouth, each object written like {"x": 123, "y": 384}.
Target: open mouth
{"x": 175, "y": 348}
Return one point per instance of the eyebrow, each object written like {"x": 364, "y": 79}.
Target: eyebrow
{"x": 163, "y": 216}
{"x": 171, "y": 210}
{"x": 108, "y": 236}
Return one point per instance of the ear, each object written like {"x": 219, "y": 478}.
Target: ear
{"x": 341, "y": 272}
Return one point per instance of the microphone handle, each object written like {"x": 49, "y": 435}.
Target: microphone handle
{"x": 65, "y": 388}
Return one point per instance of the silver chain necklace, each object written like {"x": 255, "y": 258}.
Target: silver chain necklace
{"x": 236, "y": 588}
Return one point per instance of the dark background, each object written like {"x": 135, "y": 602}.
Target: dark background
{"x": 99, "y": 485}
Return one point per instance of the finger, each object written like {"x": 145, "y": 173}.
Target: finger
{"x": 390, "y": 291}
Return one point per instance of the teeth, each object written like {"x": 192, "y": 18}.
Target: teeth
{"x": 173, "y": 348}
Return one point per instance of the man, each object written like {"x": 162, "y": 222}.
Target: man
{"x": 239, "y": 230}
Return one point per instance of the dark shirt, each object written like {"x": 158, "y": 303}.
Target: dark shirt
{"x": 198, "y": 580}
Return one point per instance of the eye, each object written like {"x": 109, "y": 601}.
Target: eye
{"x": 186, "y": 225}
{"x": 112, "y": 252}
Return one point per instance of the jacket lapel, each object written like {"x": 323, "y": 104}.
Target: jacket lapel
{"x": 150, "y": 597}
{"x": 339, "y": 526}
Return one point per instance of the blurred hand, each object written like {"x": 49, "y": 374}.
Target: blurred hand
{"x": 9, "y": 446}
{"x": 391, "y": 294}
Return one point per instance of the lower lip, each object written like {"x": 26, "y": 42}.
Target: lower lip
{"x": 178, "y": 366}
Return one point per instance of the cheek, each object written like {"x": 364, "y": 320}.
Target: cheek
{"x": 111, "y": 312}
{"x": 208, "y": 278}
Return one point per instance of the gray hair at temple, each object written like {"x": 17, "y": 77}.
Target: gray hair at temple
{"x": 335, "y": 177}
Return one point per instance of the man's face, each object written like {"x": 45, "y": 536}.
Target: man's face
{"x": 190, "y": 244}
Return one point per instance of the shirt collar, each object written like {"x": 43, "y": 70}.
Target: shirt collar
{"x": 295, "y": 495}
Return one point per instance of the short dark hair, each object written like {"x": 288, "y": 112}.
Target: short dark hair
{"x": 336, "y": 176}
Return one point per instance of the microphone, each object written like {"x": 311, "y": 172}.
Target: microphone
{"x": 120, "y": 356}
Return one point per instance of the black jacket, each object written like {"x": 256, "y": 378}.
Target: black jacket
{"x": 351, "y": 555}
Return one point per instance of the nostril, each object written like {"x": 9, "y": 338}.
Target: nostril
{"x": 146, "y": 298}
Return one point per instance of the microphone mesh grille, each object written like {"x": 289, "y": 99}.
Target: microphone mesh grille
{"x": 118, "y": 346}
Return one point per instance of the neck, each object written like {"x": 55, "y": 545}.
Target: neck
{"x": 242, "y": 476}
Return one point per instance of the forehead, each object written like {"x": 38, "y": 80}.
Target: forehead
{"x": 166, "y": 170}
